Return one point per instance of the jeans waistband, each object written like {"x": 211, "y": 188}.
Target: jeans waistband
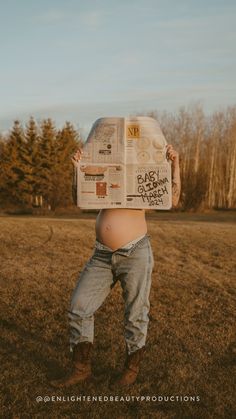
{"x": 124, "y": 250}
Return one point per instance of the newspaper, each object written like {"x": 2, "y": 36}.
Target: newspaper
{"x": 124, "y": 165}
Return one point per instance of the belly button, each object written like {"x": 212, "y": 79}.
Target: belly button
{"x": 108, "y": 227}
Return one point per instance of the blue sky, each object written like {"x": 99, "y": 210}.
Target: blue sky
{"x": 80, "y": 60}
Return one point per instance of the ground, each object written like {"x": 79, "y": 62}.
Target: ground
{"x": 190, "y": 347}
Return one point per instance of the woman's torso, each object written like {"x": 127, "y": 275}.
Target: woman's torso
{"x": 117, "y": 227}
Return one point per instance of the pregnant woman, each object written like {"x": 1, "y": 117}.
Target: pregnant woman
{"x": 122, "y": 253}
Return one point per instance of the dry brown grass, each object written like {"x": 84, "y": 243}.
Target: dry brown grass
{"x": 190, "y": 347}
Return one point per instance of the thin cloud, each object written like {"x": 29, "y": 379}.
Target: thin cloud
{"x": 53, "y": 16}
{"x": 90, "y": 19}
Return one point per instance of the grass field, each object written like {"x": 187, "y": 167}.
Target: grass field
{"x": 190, "y": 348}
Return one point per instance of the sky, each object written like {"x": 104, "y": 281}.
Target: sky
{"x": 81, "y": 60}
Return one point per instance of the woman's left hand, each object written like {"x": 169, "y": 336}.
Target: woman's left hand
{"x": 172, "y": 154}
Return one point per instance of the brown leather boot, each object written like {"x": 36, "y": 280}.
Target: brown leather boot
{"x": 81, "y": 366}
{"x": 131, "y": 368}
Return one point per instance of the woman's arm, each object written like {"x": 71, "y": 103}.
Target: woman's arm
{"x": 176, "y": 182}
{"x": 75, "y": 160}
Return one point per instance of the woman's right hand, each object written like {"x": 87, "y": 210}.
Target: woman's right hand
{"x": 77, "y": 157}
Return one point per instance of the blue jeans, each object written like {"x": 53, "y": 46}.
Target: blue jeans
{"x": 133, "y": 268}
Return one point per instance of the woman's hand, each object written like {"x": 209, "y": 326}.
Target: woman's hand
{"x": 172, "y": 154}
{"x": 77, "y": 157}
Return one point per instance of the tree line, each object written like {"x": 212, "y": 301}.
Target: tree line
{"x": 35, "y": 166}
{"x": 36, "y": 171}
{"x": 207, "y": 149}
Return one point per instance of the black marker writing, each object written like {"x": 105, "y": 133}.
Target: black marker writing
{"x": 151, "y": 187}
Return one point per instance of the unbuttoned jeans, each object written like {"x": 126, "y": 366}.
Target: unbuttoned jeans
{"x": 133, "y": 268}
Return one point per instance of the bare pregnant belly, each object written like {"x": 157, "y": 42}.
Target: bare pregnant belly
{"x": 117, "y": 227}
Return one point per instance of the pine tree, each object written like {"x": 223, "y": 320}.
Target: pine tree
{"x": 45, "y": 160}
{"x": 67, "y": 141}
{"x": 32, "y": 144}
{"x": 14, "y": 167}
{"x": 3, "y": 154}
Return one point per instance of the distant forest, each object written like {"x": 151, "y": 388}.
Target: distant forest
{"x": 36, "y": 170}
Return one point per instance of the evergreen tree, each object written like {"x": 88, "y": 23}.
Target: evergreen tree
{"x": 67, "y": 141}
{"x": 3, "y": 154}
{"x": 32, "y": 144}
{"x": 14, "y": 167}
{"x": 45, "y": 160}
